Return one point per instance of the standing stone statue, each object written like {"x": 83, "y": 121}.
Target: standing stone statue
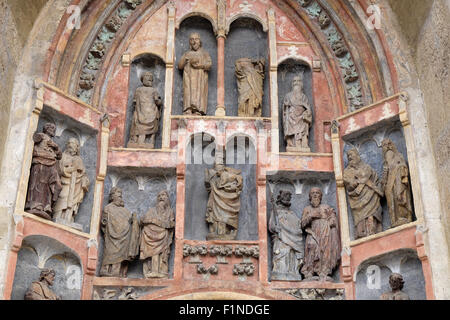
{"x": 364, "y": 192}
{"x": 195, "y": 64}
{"x": 45, "y": 184}
{"x": 322, "y": 247}
{"x": 297, "y": 118}
{"x": 250, "y": 81}
{"x": 156, "y": 238}
{"x": 396, "y": 283}
{"x": 75, "y": 184}
{"x": 40, "y": 290}
{"x": 224, "y": 186}
{"x": 287, "y": 239}
{"x": 145, "y": 123}
{"x": 121, "y": 231}
{"x": 396, "y": 184}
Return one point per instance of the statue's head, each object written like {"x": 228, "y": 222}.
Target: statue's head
{"x": 396, "y": 281}
{"x": 388, "y": 145}
{"x": 48, "y": 275}
{"x": 297, "y": 83}
{"x": 147, "y": 79}
{"x": 73, "y": 147}
{"x": 315, "y": 196}
{"x": 284, "y": 198}
{"x": 115, "y": 196}
{"x": 353, "y": 157}
{"x": 163, "y": 198}
{"x": 194, "y": 41}
{"x": 49, "y": 129}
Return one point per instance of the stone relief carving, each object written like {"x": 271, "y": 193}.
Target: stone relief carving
{"x": 40, "y": 290}
{"x": 364, "y": 192}
{"x": 396, "y": 283}
{"x": 44, "y": 184}
{"x": 195, "y": 64}
{"x": 287, "y": 238}
{"x": 75, "y": 184}
{"x": 396, "y": 184}
{"x": 224, "y": 185}
{"x": 243, "y": 270}
{"x": 297, "y": 118}
{"x": 194, "y": 252}
{"x": 316, "y": 294}
{"x": 221, "y": 252}
{"x": 116, "y": 294}
{"x": 247, "y": 253}
{"x": 201, "y": 269}
{"x": 250, "y": 82}
{"x": 156, "y": 238}
{"x": 145, "y": 123}
{"x": 121, "y": 232}
{"x": 322, "y": 245}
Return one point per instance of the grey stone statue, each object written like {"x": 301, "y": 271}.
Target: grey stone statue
{"x": 145, "y": 124}
{"x": 364, "y": 193}
{"x": 224, "y": 186}
{"x": 75, "y": 184}
{"x": 121, "y": 232}
{"x": 40, "y": 290}
{"x": 396, "y": 283}
{"x": 250, "y": 82}
{"x": 397, "y": 187}
{"x": 156, "y": 237}
{"x": 195, "y": 64}
{"x": 287, "y": 238}
{"x": 297, "y": 118}
{"x": 322, "y": 247}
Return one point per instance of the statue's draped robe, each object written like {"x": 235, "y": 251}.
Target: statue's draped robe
{"x": 157, "y": 233}
{"x": 297, "y": 116}
{"x": 397, "y": 191}
{"x": 40, "y": 291}
{"x": 45, "y": 184}
{"x": 364, "y": 201}
{"x": 224, "y": 198}
{"x": 288, "y": 247}
{"x": 146, "y": 115}
{"x": 121, "y": 236}
{"x": 250, "y": 83}
{"x": 74, "y": 186}
{"x": 195, "y": 81}
{"x": 322, "y": 247}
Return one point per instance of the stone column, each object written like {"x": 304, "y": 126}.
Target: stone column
{"x": 273, "y": 76}
{"x": 221, "y": 36}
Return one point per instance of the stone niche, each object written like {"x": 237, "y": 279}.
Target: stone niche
{"x": 372, "y": 275}
{"x": 140, "y": 187}
{"x": 145, "y": 63}
{"x": 39, "y": 252}
{"x": 287, "y": 70}
{"x": 67, "y": 128}
{"x": 299, "y": 184}
{"x": 246, "y": 39}
{"x": 240, "y": 154}
{"x": 368, "y": 142}
{"x": 209, "y": 43}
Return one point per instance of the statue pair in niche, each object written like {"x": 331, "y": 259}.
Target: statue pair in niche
{"x": 58, "y": 181}
{"x": 127, "y": 237}
{"x": 365, "y": 190}
{"x": 319, "y": 254}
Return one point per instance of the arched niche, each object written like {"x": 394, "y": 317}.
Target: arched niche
{"x": 287, "y": 70}
{"x": 40, "y": 252}
{"x": 200, "y": 153}
{"x": 246, "y": 39}
{"x": 372, "y": 275}
{"x": 145, "y": 63}
{"x": 203, "y": 27}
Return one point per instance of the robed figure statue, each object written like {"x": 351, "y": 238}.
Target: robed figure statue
{"x": 40, "y": 290}
{"x": 250, "y": 82}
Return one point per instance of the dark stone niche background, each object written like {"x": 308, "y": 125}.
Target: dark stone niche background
{"x": 138, "y": 201}
{"x": 285, "y": 180}
{"x": 246, "y": 39}
{"x": 196, "y": 227}
{"x": 287, "y": 70}
{"x": 55, "y": 256}
{"x": 155, "y": 65}
{"x": 403, "y": 261}
{"x": 373, "y": 156}
{"x": 209, "y": 43}
{"x": 88, "y": 153}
